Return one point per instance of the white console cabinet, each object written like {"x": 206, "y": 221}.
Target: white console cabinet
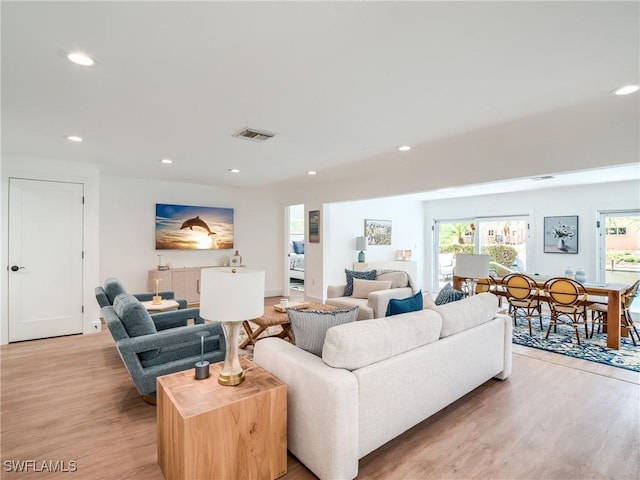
{"x": 183, "y": 282}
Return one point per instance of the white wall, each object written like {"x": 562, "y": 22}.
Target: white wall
{"x": 585, "y": 201}
{"x": 346, "y": 222}
{"x": 127, "y": 229}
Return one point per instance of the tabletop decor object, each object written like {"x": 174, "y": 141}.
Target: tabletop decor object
{"x": 361, "y": 244}
{"x": 157, "y": 298}
{"x": 230, "y": 296}
{"x": 202, "y": 367}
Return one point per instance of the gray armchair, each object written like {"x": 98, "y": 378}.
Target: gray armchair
{"x": 150, "y": 346}
{"x": 113, "y": 287}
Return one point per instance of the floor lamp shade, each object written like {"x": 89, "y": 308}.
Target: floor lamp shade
{"x": 361, "y": 244}
{"x": 230, "y": 296}
{"x": 472, "y": 267}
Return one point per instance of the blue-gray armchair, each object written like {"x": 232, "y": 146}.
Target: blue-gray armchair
{"x": 113, "y": 287}
{"x": 150, "y": 347}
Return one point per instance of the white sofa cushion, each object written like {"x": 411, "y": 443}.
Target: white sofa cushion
{"x": 355, "y": 345}
{"x": 362, "y": 288}
{"x": 467, "y": 313}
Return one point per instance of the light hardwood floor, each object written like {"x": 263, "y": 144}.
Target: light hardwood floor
{"x": 71, "y": 399}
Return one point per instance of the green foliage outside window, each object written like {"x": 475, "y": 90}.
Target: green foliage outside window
{"x": 502, "y": 254}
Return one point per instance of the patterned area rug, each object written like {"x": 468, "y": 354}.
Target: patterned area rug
{"x": 564, "y": 342}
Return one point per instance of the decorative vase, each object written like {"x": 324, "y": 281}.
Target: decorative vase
{"x": 236, "y": 260}
{"x": 561, "y": 244}
{"x": 570, "y": 273}
{"x": 581, "y": 275}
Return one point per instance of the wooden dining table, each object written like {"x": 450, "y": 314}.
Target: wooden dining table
{"x": 613, "y": 292}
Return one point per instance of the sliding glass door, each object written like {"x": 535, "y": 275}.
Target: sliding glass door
{"x": 619, "y": 246}
{"x": 452, "y": 237}
{"x": 504, "y": 239}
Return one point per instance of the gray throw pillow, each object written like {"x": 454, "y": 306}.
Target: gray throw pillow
{"x": 448, "y": 294}
{"x": 135, "y": 319}
{"x": 351, "y": 274}
{"x": 310, "y": 326}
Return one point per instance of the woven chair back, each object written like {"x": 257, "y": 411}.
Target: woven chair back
{"x": 519, "y": 286}
{"x": 564, "y": 291}
{"x": 485, "y": 285}
{"x": 630, "y": 295}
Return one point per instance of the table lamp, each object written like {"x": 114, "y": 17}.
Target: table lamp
{"x": 230, "y": 296}
{"x": 471, "y": 268}
{"x": 361, "y": 244}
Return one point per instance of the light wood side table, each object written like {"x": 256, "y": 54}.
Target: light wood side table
{"x": 206, "y": 430}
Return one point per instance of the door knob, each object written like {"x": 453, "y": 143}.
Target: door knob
{"x": 15, "y": 268}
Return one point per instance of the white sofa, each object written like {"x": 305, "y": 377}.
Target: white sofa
{"x": 378, "y": 378}
{"x": 374, "y": 305}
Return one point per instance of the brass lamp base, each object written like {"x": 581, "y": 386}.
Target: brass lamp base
{"x": 231, "y": 373}
{"x": 231, "y": 380}
{"x": 156, "y": 300}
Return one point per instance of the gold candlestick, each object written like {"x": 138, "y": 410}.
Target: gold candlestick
{"x": 157, "y": 299}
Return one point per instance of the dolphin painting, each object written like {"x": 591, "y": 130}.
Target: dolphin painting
{"x": 197, "y": 222}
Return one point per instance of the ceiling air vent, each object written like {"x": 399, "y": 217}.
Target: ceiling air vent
{"x": 255, "y": 135}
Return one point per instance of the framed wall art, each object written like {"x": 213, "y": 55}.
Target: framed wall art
{"x": 561, "y": 234}
{"x": 183, "y": 227}
{"x": 378, "y": 232}
{"x": 314, "y": 226}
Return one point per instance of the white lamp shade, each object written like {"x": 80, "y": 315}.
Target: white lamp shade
{"x": 472, "y": 266}
{"x": 361, "y": 243}
{"x": 231, "y": 294}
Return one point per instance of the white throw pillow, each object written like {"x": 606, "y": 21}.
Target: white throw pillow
{"x": 362, "y": 288}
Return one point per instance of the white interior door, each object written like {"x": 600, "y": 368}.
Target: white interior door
{"x": 45, "y": 259}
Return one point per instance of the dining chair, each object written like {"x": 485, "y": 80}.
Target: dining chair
{"x": 599, "y": 313}
{"x": 524, "y": 298}
{"x": 489, "y": 285}
{"x": 567, "y": 301}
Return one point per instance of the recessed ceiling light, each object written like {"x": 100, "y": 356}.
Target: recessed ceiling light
{"x": 234, "y": 170}
{"x": 74, "y": 138}
{"x": 80, "y": 58}
{"x": 166, "y": 161}
{"x": 312, "y": 172}
{"x": 626, "y": 90}
{"x": 404, "y": 148}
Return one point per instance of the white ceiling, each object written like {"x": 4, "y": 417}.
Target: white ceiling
{"x": 339, "y": 82}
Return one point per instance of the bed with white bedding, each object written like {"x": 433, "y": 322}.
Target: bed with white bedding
{"x": 296, "y": 260}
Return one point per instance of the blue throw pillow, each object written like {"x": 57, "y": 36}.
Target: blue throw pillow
{"x": 448, "y": 294}
{"x": 351, "y": 274}
{"x": 298, "y": 246}
{"x": 404, "y": 305}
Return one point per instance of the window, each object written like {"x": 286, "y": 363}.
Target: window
{"x": 617, "y": 231}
